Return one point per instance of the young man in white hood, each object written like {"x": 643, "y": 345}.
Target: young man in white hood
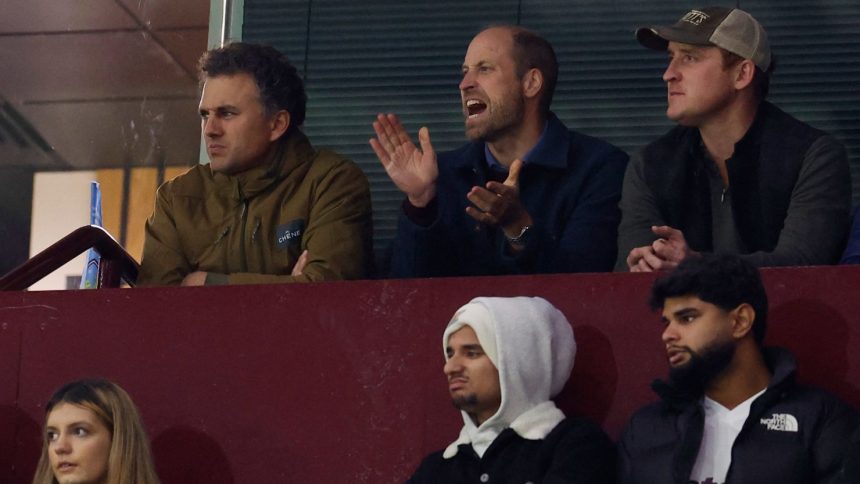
{"x": 505, "y": 358}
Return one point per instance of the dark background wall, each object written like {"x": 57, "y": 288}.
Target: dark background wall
{"x": 361, "y": 58}
{"x": 342, "y": 382}
{"x": 16, "y": 205}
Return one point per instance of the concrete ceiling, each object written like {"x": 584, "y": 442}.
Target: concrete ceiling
{"x": 91, "y": 84}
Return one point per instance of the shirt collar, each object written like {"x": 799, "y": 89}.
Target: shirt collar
{"x": 550, "y": 149}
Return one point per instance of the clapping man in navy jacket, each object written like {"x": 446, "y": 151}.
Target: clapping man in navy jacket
{"x": 525, "y": 196}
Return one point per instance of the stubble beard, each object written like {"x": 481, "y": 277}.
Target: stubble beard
{"x": 465, "y": 402}
{"x": 703, "y": 367}
{"x": 503, "y": 118}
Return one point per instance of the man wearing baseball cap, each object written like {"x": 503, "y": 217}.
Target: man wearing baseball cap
{"x": 737, "y": 174}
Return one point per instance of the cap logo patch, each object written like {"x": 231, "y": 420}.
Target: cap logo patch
{"x": 695, "y": 17}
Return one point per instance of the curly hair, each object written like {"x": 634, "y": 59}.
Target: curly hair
{"x": 278, "y": 81}
{"x": 724, "y": 280}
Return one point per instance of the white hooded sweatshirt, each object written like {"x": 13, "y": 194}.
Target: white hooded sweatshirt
{"x": 531, "y": 344}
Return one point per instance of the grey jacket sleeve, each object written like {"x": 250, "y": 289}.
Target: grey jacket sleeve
{"x": 816, "y": 225}
{"x": 814, "y": 229}
{"x": 638, "y": 212}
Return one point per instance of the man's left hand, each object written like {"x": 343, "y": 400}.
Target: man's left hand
{"x": 499, "y": 203}
{"x": 197, "y": 278}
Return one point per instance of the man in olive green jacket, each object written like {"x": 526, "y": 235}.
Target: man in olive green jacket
{"x": 268, "y": 207}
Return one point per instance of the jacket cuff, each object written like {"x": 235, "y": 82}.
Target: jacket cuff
{"x": 215, "y": 279}
{"x": 423, "y": 216}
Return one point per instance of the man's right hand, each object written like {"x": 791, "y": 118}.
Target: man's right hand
{"x": 643, "y": 259}
{"x": 663, "y": 254}
{"x": 301, "y": 263}
{"x": 413, "y": 170}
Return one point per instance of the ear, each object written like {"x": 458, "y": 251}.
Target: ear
{"x": 743, "y": 318}
{"x": 532, "y": 83}
{"x": 744, "y": 74}
{"x": 279, "y": 124}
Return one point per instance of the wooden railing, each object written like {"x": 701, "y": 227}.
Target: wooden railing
{"x": 116, "y": 264}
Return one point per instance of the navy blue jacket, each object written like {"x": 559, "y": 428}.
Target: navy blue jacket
{"x": 852, "y": 251}
{"x": 794, "y": 435}
{"x": 570, "y": 185}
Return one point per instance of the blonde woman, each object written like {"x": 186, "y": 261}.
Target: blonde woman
{"x": 93, "y": 435}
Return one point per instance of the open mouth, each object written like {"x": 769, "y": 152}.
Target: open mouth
{"x": 475, "y": 107}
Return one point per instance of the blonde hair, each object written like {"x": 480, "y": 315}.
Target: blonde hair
{"x": 130, "y": 460}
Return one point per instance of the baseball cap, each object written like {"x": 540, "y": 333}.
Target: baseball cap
{"x": 729, "y": 28}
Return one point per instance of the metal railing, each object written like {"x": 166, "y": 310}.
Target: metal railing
{"x": 116, "y": 264}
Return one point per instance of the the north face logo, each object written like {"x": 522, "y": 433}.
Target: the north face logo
{"x": 783, "y": 422}
{"x": 695, "y": 17}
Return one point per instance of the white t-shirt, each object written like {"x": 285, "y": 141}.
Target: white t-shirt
{"x": 722, "y": 427}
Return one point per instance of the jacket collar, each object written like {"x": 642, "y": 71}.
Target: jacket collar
{"x": 750, "y": 143}
{"x": 534, "y": 424}
{"x": 747, "y": 145}
{"x": 780, "y": 362}
{"x": 550, "y": 152}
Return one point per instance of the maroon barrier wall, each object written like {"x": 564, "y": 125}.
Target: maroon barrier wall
{"x": 342, "y": 382}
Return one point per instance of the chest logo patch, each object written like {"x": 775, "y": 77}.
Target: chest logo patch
{"x": 782, "y": 422}
{"x": 289, "y": 234}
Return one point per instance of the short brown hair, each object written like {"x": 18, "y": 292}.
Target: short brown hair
{"x": 531, "y": 51}
{"x": 761, "y": 79}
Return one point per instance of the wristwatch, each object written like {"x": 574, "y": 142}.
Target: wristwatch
{"x": 520, "y": 239}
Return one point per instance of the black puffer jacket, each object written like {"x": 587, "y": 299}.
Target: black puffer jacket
{"x": 794, "y": 434}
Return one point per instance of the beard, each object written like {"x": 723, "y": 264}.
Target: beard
{"x": 465, "y": 402}
{"x": 502, "y": 118}
{"x": 703, "y": 367}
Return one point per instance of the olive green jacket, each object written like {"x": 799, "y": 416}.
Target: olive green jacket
{"x": 250, "y": 228}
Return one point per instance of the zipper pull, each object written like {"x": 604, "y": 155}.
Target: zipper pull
{"x": 244, "y": 209}
{"x": 223, "y": 234}
{"x": 254, "y": 232}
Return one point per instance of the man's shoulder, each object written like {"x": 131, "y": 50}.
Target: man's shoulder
{"x": 578, "y": 432}
{"x": 676, "y": 137}
{"x": 432, "y": 469}
{"x": 583, "y": 143}
{"x": 576, "y": 424}
{"x": 192, "y": 182}
{"x": 779, "y": 124}
{"x": 814, "y": 402}
{"x": 330, "y": 162}
{"x": 649, "y": 419}
{"x": 589, "y": 157}
{"x": 581, "y": 146}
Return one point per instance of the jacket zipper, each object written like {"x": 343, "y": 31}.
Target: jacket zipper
{"x": 244, "y": 217}
{"x": 221, "y": 235}
{"x": 254, "y": 232}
